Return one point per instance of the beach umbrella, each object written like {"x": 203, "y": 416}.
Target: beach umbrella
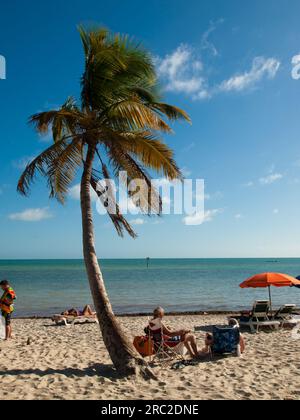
{"x": 298, "y": 278}
{"x": 266, "y": 280}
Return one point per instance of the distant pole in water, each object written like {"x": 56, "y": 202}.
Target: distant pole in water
{"x": 148, "y": 262}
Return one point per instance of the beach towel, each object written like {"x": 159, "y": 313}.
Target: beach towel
{"x": 2, "y": 328}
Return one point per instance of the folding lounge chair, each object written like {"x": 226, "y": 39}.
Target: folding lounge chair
{"x": 226, "y": 340}
{"x": 259, "y": 317}
{"x": 285, "y": 316}
{"x": 68, "y": 320}
{"x": 166, "y": 349}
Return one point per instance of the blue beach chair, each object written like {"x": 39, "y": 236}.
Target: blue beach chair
{"x": 226, "y": 340}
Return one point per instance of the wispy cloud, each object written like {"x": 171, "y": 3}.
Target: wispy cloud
{"x": 32, "y": 215}
{"x": 266, "y": 180}
{"x": 198, "y": 218}
{"x": 206, "y": 44}
{"x": 137, "y": 222}
{"x": 189, "y": 147}
{"x": 184, "y": 71}
{"x": 270, "y": 179}
{"x": 261, "y": 68}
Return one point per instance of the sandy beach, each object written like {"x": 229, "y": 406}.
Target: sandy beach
{"x": 72, "y": 363}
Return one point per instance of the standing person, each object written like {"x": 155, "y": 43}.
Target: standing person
{"x": 6, "y": 306}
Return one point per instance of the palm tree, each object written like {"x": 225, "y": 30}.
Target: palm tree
{"x": 115, "y": 127}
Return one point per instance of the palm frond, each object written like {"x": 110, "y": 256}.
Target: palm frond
{"x": 118, "y": 220}
{"x": 150, "y": 150}
{"x": 113, "y": 63}
{"x": 63, "y": 169}
{"x": 172, "y": 112}
{"x": 62, "y": 121}
{"x": 150, "y": 200}
{"x": 41, "y": 165}
{"x": 132, "y": 114}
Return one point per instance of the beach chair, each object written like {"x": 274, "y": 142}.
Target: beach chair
{"x": 285, "y": 316}
{"x": 69, "y": 320}
{"x": 226, "y": 340}
{"x": 166, "y": 349}
{"x": 259, "y": 317}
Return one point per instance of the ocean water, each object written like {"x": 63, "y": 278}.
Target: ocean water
{"x": 45, "y": 287}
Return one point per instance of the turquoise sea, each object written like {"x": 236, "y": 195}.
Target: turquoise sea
{"x": 45, "y": 287}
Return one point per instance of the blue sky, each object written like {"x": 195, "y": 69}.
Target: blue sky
{"x": 228, "y": 64}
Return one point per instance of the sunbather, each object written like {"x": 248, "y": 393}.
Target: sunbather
{"x": 87, "y": 311}
{"x": 180, "y": 336}
{"x": 209, "y": 340}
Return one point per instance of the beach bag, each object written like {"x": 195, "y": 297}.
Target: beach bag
{"x": 2, "y": 328}
{"x": 144, "y": 346}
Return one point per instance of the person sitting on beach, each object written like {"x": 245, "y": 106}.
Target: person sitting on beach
{"x": 87, "y": 311}
{"x": 209, "y": 340}
{"x": 180, "y": 336}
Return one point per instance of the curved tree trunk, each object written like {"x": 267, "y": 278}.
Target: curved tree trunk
{"x": 122, "y": 352}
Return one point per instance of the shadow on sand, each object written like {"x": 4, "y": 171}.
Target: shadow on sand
{"x": 98, "y": 370}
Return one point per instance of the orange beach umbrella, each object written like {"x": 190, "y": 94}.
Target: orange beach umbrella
{"x": 270, "y": 279}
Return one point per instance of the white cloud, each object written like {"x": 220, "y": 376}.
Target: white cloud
{"x": 206, "y": 44}
{"x": 198, "y": 219}
{"x": 182, "y": 72}
{"x": 32, "y": 215}
{"x": 270, "y": 179}
{"x": 261, "y": 68}
{"x": 275, "y": 211}
{"x": 137, "y": 222}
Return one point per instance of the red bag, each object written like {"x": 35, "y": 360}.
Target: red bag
{"x": 144, "y": 346}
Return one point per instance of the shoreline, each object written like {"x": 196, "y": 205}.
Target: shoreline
{"x": 149, "y": 314}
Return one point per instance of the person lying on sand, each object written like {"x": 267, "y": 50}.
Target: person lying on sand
{"x": 180, "y": 336}
{"x": 209, "y": 340}
{"x": 87, "y": 311}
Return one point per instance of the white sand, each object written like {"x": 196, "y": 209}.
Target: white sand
{"x": 72, "y": 363}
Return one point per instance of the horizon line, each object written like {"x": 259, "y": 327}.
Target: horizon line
{"x": 270, "y": 259}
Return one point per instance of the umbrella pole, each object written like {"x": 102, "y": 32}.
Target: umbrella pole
{"x": 270, "y": 297}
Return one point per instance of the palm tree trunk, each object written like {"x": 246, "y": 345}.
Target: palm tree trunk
{"x": 122, "y": 352}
